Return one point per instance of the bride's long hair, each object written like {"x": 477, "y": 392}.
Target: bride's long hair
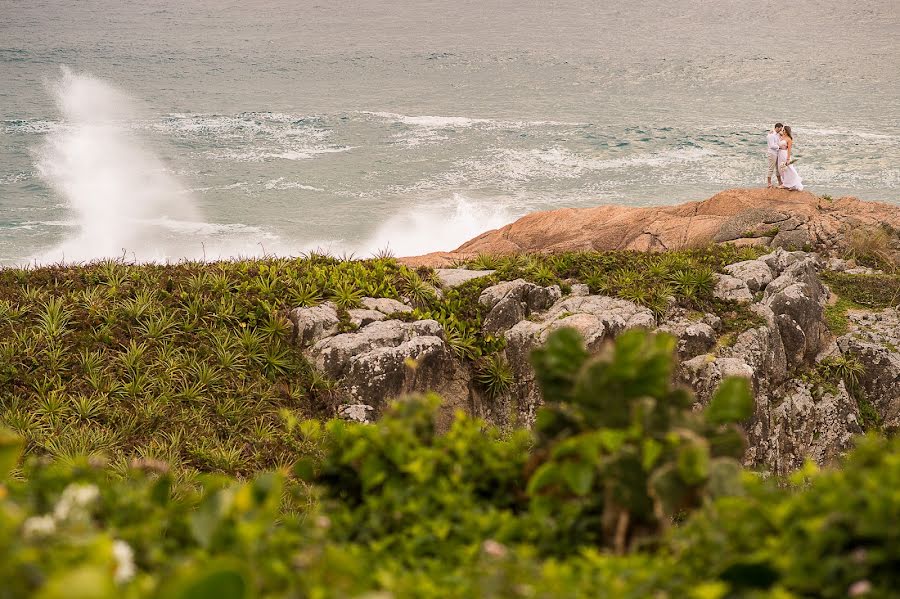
{"x": 787, "y": 131}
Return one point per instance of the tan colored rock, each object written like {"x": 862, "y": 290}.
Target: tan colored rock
{"x": 798, "y": 217}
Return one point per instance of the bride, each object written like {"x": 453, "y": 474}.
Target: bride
{"x": 790, "y": 178}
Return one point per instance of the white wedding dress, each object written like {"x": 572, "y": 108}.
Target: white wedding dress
{"x": 790, "y": 178}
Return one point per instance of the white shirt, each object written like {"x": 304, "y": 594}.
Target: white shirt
{"x": 773, "y": 138}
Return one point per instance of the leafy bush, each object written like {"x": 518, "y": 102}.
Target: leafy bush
{"x": 619, "y": 451}
{"x": 397, "y": 509}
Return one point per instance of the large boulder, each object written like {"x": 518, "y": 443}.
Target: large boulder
{"x": 802, "y": 423}
{"x": 797, "y": 297}
{"x": 314, "y": 323}
{"x": 740, "y": 216}
{"x": 512, "y": 301}
{"x": 756, "y": 274}
{"x": 874, "y": 342}
{"x": 732, "y": 288}
{"x": 595, "y": 317}
{"x": 387, "y": 359}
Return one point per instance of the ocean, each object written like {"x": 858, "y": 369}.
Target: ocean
{"x": 163, "y": 129}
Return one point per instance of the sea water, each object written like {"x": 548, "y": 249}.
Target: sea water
{"x": 158, "y": 130}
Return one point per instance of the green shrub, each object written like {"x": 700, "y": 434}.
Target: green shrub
{"x": 619, "y": 451}
{"x": 399, "y": 509}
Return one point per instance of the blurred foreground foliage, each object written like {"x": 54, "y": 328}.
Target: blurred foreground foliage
{"x": 622, "y": 490}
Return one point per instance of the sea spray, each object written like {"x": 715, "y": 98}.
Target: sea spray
{"x": 119, "y": 192}
{"x": 437, "y": 227}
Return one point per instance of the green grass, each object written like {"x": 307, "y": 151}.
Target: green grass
{"x": 867, "y": 291}
{"x": 189, "y": 363}
{"x": 836, "y": 316}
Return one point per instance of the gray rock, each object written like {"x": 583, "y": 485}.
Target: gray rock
{"x": 732, "y": 288}
{"x": 780, "y": 259}
{"x": 837, "y": 264}
{"x": 492, "y": 295}
{"x": 332, "y": 355}
{"x": 541, "y": 298}
{"x": 705, "y": 373}
{"x": 881, "y": 379}
{"x": 694, "y": 337}
{"x": 385, "y": 305}
{"x": 314, "y": 323}
{"x": 756, "y": 274}
{"x": 803, "y": 423}
{"x": 387, "y": 359}
{"x": 712, "y": 320}
{"x": 580, "y": 290}
{"x": 360, "y": 317}
{"x": 512, "y": 301}
{"x": 762, "y": 349}
{"x": 595, "y": 317}
{"x": 358, "y": 412}
{"x": 797, "y": 298}
{"x": 504, "y": 315}
{"x": 454, "y": 277}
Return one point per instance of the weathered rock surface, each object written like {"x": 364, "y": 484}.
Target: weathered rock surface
{"x": 796, "y": 425}
{"x": 454, "y": 277}
{"x": 312, "y": 324}
{"x": 756, "y": 274}
{"x": 797, "y": 298}
{"x": 875, "y": 342}
{"x": 385, "y": 305}
{"x": 695, "y": 337}
{"x": 732, "y": 288}
{"x": 793, "y": 420}
{"x": 383, "y": 359}
{"x": 595, "y": 317}
{"x": 511, "y": 301}
{"x": 788, "y": 424}
{"x": 742, "y": 216}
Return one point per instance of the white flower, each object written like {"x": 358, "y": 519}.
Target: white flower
{"x": 75, "y": 498}
{"x": 124, "y": 556}
{"x": 38, "y": 527}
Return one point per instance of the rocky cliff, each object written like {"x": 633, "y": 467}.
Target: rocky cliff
{"x": 770, "y": 217}
{"x": 801, "y": 374}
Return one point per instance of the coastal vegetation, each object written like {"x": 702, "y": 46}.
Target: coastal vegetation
{"x": 193, "y": 363}
{"x": 163, "y": 435}
{"x": 622, "y": 491}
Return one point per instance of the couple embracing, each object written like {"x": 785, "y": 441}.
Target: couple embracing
{"x": 781, "y": 143}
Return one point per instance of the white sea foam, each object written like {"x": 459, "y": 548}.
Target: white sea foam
{"x": 462, "y": 122}
{"x": 514, "y": 166}
{"x": 280, "y": 184}
{"x": 14, "y": 178}
{"x": 29, "y": 126}
{"x": 262, "y": 154}
{"x": 436, "y": 227}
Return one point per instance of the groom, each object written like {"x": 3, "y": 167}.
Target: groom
{"x": 773, "y": 138}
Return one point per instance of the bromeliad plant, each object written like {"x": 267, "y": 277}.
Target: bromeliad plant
{"x": 619, "y": 451}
